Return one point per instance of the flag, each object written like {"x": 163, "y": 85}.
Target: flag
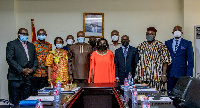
{"x": 33, "y": 31}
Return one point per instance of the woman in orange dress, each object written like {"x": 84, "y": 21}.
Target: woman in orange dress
{"x": 102, "y": 67}
{"x": 57, "y": 61}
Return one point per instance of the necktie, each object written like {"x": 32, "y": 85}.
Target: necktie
{"x": 125, "y": 53}
{"x": 176, "y": 46}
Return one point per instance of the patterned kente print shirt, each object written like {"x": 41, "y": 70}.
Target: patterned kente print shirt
{"x": 42, "y": 51}
{"x": 150, "y": 66}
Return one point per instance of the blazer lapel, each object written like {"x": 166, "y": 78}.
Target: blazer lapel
{"x": 122, "y": 54}
{"x": 170, "y": 47}
{"x": 22, "y": 48}
{"x": 129, "y": 52}
{"x": 29, "y": 50}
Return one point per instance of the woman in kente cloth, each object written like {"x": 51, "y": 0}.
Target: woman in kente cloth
{"x": 57, "y": 61}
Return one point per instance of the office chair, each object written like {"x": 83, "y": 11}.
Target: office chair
{"x": 192, "y": 97}
{"x": 181, "y": 87}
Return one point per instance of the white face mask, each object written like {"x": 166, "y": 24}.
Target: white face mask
{"x": 70, "y": 41}
{"x": 59, "y": 46}
{"x": 177, "y": 33}
{"x": 41, "y": 37}
{"x": 115, "y": 38}
{"x": 81, "y": 39}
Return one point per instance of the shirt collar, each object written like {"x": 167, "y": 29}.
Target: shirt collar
{"x": 125, "y": 47}
{"x": 178, "y": 39}
{"x": 22, "y": 42}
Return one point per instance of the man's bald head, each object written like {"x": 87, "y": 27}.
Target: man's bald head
{"x": 125, "y": 40}
{"x": 22, "y": 31}
{"x": 80, "y": 34}
{"x": 114, "y": 32}
{"x": 179, "y": 28}
{"x": 125, "y": 37}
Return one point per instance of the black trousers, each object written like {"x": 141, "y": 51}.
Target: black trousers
{"x": 171, "y": 83}
{"x": 19, "y": 90}
{"x": 39, "y": 83}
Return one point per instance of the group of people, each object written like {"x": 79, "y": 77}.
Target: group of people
{"x": 33, "y": 66}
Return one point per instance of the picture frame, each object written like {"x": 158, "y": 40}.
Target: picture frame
{"x": 93, "y": 24}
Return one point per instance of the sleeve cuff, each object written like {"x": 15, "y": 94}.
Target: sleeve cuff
{"x": 20, "y": 70}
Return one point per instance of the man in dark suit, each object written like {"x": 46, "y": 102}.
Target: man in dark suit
{"x": 182, "y": 55}
{"x": 22, "y": 60}
{"x": 126, "y": 59}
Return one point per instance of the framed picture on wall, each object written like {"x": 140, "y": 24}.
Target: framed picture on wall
{"x": 93, "y": 24}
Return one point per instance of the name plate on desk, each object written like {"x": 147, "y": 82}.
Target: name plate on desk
{"x": 162, "y": 100}
{"x": 70, "y": 91}
{"x": 46, "y": 100}
{"x": 45, "y": 91}
{"x": 49, "y": 91}
{"x": 147, "y": 91}
{"x": 43, "y": 98}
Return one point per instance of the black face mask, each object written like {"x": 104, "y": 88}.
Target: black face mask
{"x": 102, "y": 47}
{"x": 125, "y": 43}
{"x": 93, "y": 44}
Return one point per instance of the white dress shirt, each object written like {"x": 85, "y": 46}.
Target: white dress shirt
{"x": 174, "y": 43}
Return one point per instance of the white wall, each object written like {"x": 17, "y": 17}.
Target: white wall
{"x": 130, "y": 17}
{"x": 7, "y": 33}
{"x": 191, "y": 19}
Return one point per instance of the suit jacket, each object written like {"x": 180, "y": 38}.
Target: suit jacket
{"x": 17, "y": 59}
{"x": 131, "y": 62}
{"x": 182, "y": 60}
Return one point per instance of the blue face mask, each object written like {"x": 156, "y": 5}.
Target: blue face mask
{"x": 23, "y": 38}
{"x": 41, "y": 37}
{"x": 81, "y": 39}
{"x": 58, "y": 46}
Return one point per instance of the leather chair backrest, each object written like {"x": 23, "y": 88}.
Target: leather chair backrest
{"x": 181, "y": 87}
{"x": 192, "y": 97}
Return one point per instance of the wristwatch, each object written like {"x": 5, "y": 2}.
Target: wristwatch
{"x": 164, "y": 75}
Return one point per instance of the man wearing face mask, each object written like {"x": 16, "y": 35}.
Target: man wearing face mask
{"x": 126, "y": 59}
{"x": 182, "y": 54}
{"x": 42, "y": 48}
{"x": 80, "y": 56}
{"x": 115, "y": 38}
{"x": 92, "y": 42}
{"x": 70, "y": 40}
{"x": 154, "y": 58}
{"x": 22, "y": 60}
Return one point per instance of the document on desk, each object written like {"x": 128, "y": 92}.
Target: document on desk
{"x": 70, "y": 91}
{"x": 161, "y": 100}
{"x": 43, "y": 98}
{"x": 149, "y": 89}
